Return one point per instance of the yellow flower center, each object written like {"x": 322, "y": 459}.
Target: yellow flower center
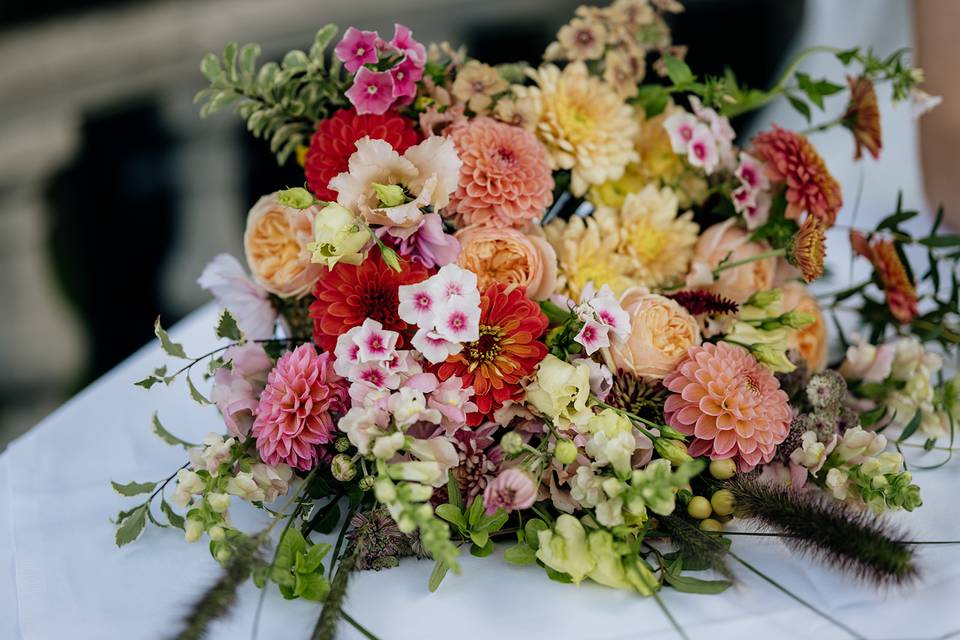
{"x": 646, "y": 242}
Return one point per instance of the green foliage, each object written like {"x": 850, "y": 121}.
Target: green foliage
{"x": 133, "y": 488}
{"x": 198, "y": 397}
{"x": 130, "y": 524}
{"x": 298, "y": 567}
{"x": 169, "y": 347}
{"x": 279, "y": 102}
{"x": 688, "y": 584}
{"x": 227, "y": 326}
{"x": 474, "y": 524}
{"x": 166, "y": 436}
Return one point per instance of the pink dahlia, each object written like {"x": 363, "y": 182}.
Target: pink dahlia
{"x": 730, "y": 403}
{"x": 505, "y": 178}
{"x": 790, "y": 158}
{"x": 293, "y": 415}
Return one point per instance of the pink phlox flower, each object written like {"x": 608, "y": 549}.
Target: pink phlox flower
{"x": 357, "y": 48}
{"x": 372, "y": 91}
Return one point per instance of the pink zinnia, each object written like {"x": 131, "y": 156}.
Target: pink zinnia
{"x": 513, "y": 489}
{"x": 293, "y": 415}
{"x": 505, "y": 178}
{"x": 730, "y": 403}
{"x": 790, "y": 158}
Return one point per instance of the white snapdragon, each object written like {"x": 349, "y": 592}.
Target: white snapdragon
{"x": 245, "y": 486}
{"x": 188, "y": 484}
{"x": 215, "y": 452}
{"x": 614, "y": 450}
{"x": 857, "y": 445}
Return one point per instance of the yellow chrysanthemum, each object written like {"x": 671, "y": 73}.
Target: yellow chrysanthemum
{"x": 585, "y": 126}
{"x": 587, "y": 252}
{"x": 658, "y": 240}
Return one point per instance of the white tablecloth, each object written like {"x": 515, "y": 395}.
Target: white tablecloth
{"x": 63, "y": 577}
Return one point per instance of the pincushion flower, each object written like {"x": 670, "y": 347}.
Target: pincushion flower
{"x": 900, "y": 292}
{"x": 725, "y": 242}
{"x": 348, "y": 294}
{"x": 426, "y": 172}
{"x": 791, "y": 159}
{"x": 862, "y": 117}
{"x": 585, "y": 126}
{"x": 811, "y": 340}
{"x": 293, "y": 416}
{"x": 509, "y": 256}
{"x": 512, "y": 490}
{"x": 248, "y": 302}
{"x": 661, "y": 332}
{"x": 505, "y": 178}
{"x": 731, "y": 405}
{"x": 276, "y": 242}
{"x": 659, "y": 240}
{"x": 588, "y": 251}
{"x": 335, "y": 141}
{"x": 476, "y": 84}
{"x": 508, "y": 350}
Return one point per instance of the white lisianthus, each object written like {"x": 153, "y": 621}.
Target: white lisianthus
{"x": 338, "y": 236}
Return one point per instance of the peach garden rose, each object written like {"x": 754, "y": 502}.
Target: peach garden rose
{"x": 726, "y": 242}
{"x": 509, "y": 256}
{"x": 276, "y": 242}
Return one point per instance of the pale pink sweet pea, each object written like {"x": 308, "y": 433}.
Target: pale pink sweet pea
{"x": 372, "y": 91}
{"x": 357, "y": 48}
{"x": 511, "y": 490}
{"x": 249, "y": 360}
{"x": 225, "y": 278}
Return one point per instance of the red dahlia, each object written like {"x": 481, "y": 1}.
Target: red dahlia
{"x": 508, "y": 350}
{"x": 348, "y": 294}
{"x": 335, "y": 138}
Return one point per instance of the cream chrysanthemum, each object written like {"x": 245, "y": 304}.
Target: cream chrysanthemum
{"x": 659, "y": 241}
{"x": 585, "y": 126}
{"x": 587, "y": 252}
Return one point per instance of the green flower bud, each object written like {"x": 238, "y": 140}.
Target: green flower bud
{"x": 666, "y": 431}
{"x": 390, "y": 258}
{"x": 384, "y": 490}
{"x": 366, "y": 483}
{"x": 722, "y": 502}
{"x": 775, "y": 359}
{"x": 723, "y": 469}
{"x": 391, "y": 195}
{"x": 565, "y": 451}
{"x": 223, "y": 554}
{"x": 192, "y": 530}
{"x": 511, "y": 443}
{"x": 216, "y": 533}
{"x": 672, "y": 450}
{"x": 763, "y": 299}
{"x": 797, "y": 319}
{"x": 296, "y": 198}
{"x": 219, "y": 502}
{"x": 342, "y": 468}
{"x": 341, "y": 444}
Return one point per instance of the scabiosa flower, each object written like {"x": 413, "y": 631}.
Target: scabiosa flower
{"x": 508, "y": 350}
{"x": 357, "y": 48}
{"x": 335, "y": 141}
{"x": 808, "y": 248}
{"x": 372, "y": 91}
{"x": 699, "y": 302}
{"x": 512, "y": 490}
{"x": 480, "y": 459}
{"x": 293, "y": 415}
{"x": 730, "y": 403}
{"x": 348, "y": 294}
{"x": 862, "y": 117}
{"x": 898, "y": 288}
{"x": 505, "y": 179}
{"x": 791, "y": 159}
{"x": 631, "y": 393}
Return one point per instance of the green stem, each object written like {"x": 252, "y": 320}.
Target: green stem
{"x": 795, "y": 597}
{"x": 673, "y": 621}
{"x": 823, "y": 126}
{"x": 632, "y": 416}
{"x": 942, "y": 331}
{"x": 773, "y": 253}
{"x": 356, "y": 625}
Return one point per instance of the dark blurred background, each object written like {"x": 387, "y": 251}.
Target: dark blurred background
{"x": 114, "y": 194}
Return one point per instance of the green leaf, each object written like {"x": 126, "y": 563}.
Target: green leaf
{"x": 320, "y": 43}
{"x": 196, "y": 395}
{"x": 311, "y": 586}
{"x": 845, "y": 57}
{"x": 653, "y": 99}
{"x": 437, "y": 575}
{"x": 329, "y": 521}
{"x": 169, "y": 347}
{"x": 210, "y": 67}
{"x": 678, "y": 71}
{"x": 686, "y": 584}
{"x": 173, "y": 517}
{"x": 295, "y": 59}
{"x": 530, "y": 530}
{"x": 558, "y": 576}
{"x": 480, "y": 538}
{"x": 895, "y": 218}
{"x": 132, "y": 526}
{"x": 291, "y": 545}
{"x": 313, "y": 559}
{"x": 872, "y": 417}
{"x": 911, "y": 427}
{"x": 248, "y": 61}
{"x": 166, "y": 436}
{"x": 475, "y": 512}
{"x": 494, "y": 522}
{"x": 520, "y": 554}
{"x": 941, "y": 241}
{"x": 802, "y": 107}
{"x": 148, "y": 382}
{"x": 230, "y": 60}
{"x": 482, "y": 552}
{"x": 227, "y": 326}
{"x": 453, "y": 491}
{"x": 452, "y": 514}
{"x": 133, "y": 488}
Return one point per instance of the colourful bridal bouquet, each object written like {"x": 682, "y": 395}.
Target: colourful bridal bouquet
{"x": 554, "y": 307}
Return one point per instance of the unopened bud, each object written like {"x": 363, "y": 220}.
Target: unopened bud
{"x": 341, "y": 444}
{"x": 672, "y": 450}
{"x": 384, "y": 490}
{"x": 699, "y": 508}
{"x": 711, "y": 525}
{"x": 192, "y": 530}
{"x": 763, "y": 299}
{"x": 666, "y": 431}
{"x": 722, "y": 502}
{"x": 565, "y": 451}
{"x": 216, "y": 533}
{"x": 391, "y": 195}
{"x": 296, "y": 198}
{"x": 797, "y": 319}
{"x": 219, "y": 502}
{"x": 511, "y": 443}
{"x": 390, "y": 258}
{"x": 366, "y": 483}
{"x": 223, "y": 554}
{"x": 342, "y": 468}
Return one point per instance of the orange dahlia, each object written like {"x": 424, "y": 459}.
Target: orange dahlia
{"x": 349, "y": 294}
{"x": 897, "y": 285}
{"x": 791, "y": 159}
{"x": 508, "y": 350}
{"x": 335, "y": 141}
{"x": 862, "y": 117}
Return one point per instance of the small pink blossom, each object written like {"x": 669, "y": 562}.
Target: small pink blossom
{"x": 372, "y": 91}
{"x": 409, "y": 406}
{"x": 758, "y": 214}
{"x": 374, "y": 343}
{"x": 607, "y": 310}
{"x": 434, "y": 347}
{"x": 593, "y": 336}
{"x": 702, "y": 149}
{"x": 403, "y": 42}
{"x": 418, "y": 303}
{"x": 452, "y": 280}
{"x": 357, "y": 48}
{"x": 458, "y": 320}
{"x": 680, "y": 128}
{"x": 405, "y": 77}
{"x": 750, "y": 172}
{"x": 513, "y": 489}
{"x": 453, "y": 403}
